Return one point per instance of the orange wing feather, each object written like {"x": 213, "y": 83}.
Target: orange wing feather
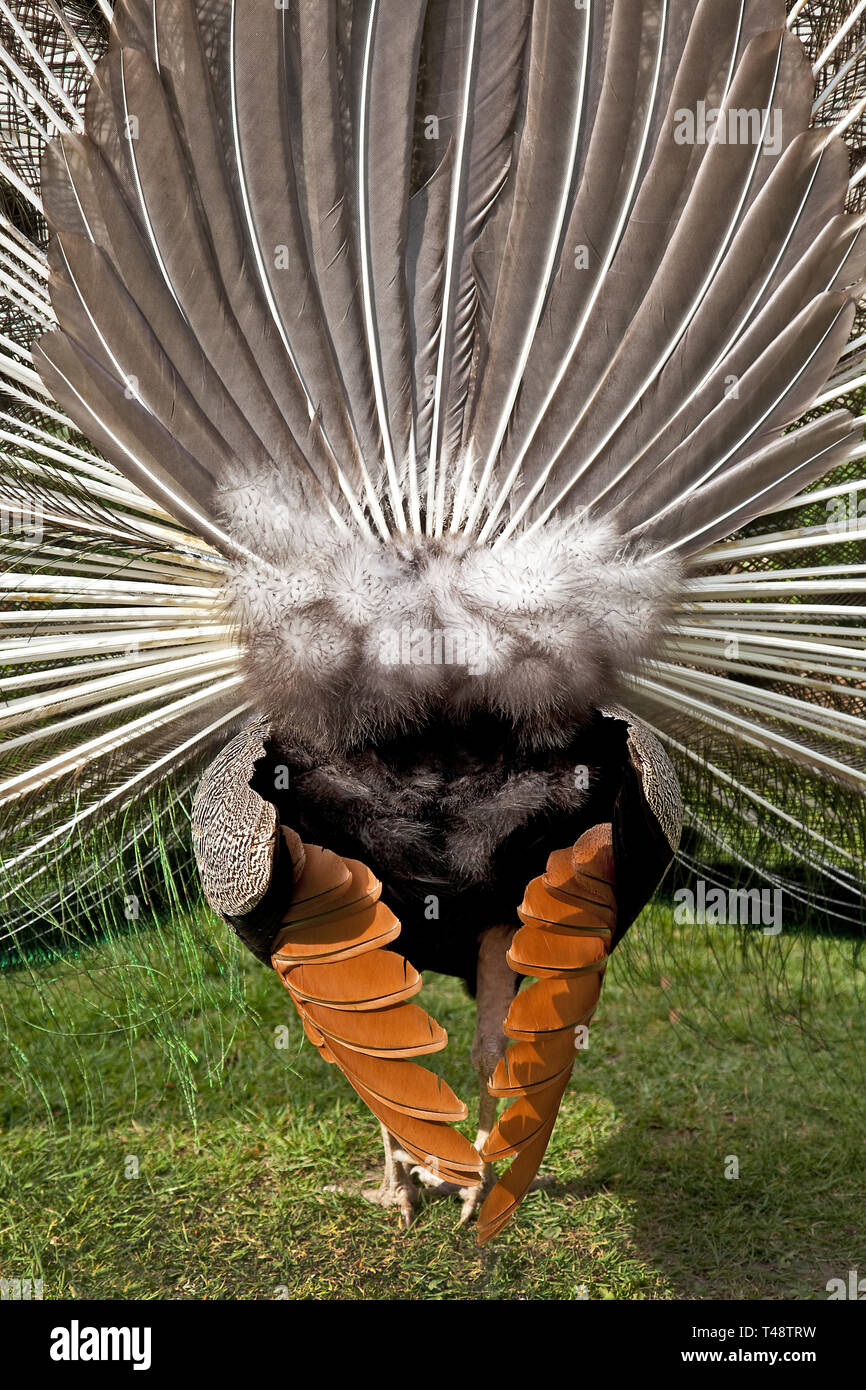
{"x": 352, "y": 997}
{"x": 569, "y": 914}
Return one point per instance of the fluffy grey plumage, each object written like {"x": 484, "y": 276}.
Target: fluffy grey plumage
{"x": 351, "y": 640}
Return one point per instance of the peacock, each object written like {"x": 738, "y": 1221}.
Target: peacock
{"x": 424, "y": 438}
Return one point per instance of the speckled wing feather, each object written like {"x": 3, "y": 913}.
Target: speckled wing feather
{"x": 247, "y": 863}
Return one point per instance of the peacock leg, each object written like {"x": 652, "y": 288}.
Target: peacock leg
{"x": 398, "y": 1187}
{"x": 497, "y": 986}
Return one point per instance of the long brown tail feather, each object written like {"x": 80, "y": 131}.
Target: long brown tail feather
{"x": 553, "y": 1004}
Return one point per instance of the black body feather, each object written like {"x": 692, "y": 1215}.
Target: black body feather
{"x": 453, "y": 818}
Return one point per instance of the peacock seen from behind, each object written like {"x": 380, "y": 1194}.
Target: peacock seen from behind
{"x": 433, "y": 366}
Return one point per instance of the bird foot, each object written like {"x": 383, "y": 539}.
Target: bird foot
{"x": 471, "y": 1197}
{"x": 397, "y": 1189}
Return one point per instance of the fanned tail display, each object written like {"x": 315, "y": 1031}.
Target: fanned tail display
{"x": 424, "y": 380}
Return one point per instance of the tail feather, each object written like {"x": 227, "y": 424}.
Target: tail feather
{"x": 607, "y": 381}
{"x": 774, "y": 388}
{"x": 325, "y": 189}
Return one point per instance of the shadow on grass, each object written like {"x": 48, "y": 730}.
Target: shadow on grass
{"x": 238, "y": 1205}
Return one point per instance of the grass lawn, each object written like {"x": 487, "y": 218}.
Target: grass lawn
{"x": 682, "y": 1073}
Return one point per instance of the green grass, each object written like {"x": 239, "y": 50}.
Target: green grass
{"x": 232, "y": 1203}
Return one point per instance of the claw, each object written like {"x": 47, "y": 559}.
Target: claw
{"x": 400, "y": 1192}
{"x": 472, "y": 1200}
{"x": 398, "y": 1187}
